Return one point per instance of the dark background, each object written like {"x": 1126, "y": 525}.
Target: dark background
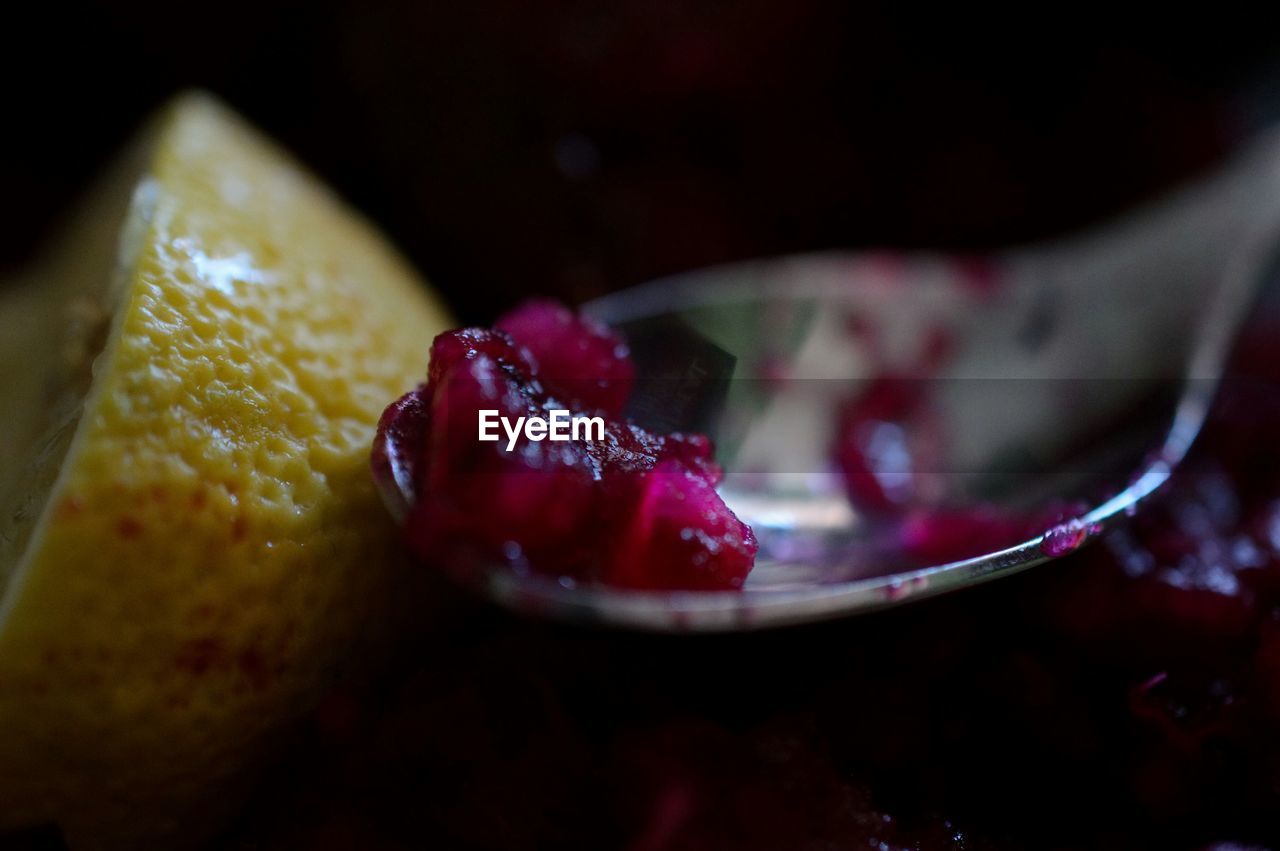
{"x": 572, "y": 147}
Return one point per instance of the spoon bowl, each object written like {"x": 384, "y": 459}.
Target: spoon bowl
{"x": 1055, "y": 387}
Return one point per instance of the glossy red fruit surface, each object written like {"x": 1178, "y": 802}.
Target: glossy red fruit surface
{"x": 633, "y": 509}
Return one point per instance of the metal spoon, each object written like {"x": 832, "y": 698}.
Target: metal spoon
{"x": 1081, "y": 369}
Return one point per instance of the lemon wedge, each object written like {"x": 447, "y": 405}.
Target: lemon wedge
{"x": 190, "y": 541}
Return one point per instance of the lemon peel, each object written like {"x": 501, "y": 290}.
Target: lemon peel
{"x": 192, "y": 544}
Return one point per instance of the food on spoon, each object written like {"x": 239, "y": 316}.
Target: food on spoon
{"x": 189, "y": 542}
{"x": 629, "y": 508}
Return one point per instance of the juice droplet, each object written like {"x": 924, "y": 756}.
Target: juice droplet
{"x": 1065, "y": 538}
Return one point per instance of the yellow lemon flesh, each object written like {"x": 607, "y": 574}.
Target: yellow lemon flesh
{"x": 190, "y": 540}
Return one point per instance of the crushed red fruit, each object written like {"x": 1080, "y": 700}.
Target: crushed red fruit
{"x": 634, "y": 510}
{"x": 1126, "y": 696}
{"x": 586, "y": 365}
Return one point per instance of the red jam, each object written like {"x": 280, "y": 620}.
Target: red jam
{"x": 630, "y": 509}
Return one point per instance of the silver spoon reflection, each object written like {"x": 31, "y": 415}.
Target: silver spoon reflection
{"x": 1080, "y": 371}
